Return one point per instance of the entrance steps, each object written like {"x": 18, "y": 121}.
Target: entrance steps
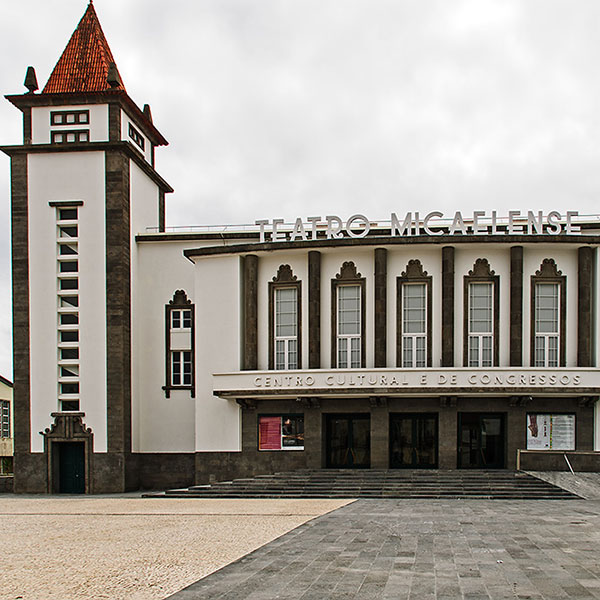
{"x": 379, "y": 483}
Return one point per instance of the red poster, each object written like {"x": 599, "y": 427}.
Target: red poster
{"x": 269, "y": 433}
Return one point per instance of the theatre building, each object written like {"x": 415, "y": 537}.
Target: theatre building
{"x": 145, "y": 357}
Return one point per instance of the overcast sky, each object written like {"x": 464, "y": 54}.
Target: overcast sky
{"x": 277, "y": 108}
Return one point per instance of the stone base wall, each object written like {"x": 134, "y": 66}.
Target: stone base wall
{"x": 6, "y": 484}
{"x": 163, "y": 471}
{"x": 225, "y": 466}
{"x": 554, "y": 460}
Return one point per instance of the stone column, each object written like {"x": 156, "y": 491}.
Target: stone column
{"x": 380, "y": 307}
{"x": 313, "y": 434}
{"x": 585, "y": 282}
{"x": 314, "y": 310}
{"x": 250, "y": 362}
{"x": 380, "y": 433}
{"x": 447, "y": 433}
{"x": 448, "y": 306}
{"x": 516, "y": 306}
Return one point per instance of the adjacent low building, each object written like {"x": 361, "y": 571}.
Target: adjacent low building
{"x": 6, "y": 426}
{"x": 148, "y": 358}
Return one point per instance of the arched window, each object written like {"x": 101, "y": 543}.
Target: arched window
{"x": 548, "y": 316}
{"x": 348, "y": 318}
{"x": 413, "y": 344}
{"x": 481, "y": 316}
{"x": 285, "y": 320}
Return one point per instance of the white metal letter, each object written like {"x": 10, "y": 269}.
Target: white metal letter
{"x": 512, "y": 228}
{"x": 426, "y": 223}
{"x": 314, "y": 221}
{"x": 366, "y": 226}
{"x": 331, "y": 232}
{"x": 298, "y": 231}
{"x": 262, "y": 224}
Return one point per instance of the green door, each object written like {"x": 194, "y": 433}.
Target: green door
{"x": 71, "y": 468}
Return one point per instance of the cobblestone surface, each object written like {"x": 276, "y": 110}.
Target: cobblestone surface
{"x": 394, "y": 549}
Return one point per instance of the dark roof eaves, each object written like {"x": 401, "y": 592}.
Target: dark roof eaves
{"x": 446, "y": 240}
{"x": 120, "y": 145}
{"x": 6, "y": 381}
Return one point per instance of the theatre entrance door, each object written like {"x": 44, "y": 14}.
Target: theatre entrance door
{"x": 413, "y": 441}
{"x": 481, "y": 441}
{"x": 348, "y": 441}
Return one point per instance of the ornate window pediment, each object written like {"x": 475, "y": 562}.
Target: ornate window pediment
{"x": 348, "y": 272}
{"x": 284, "y": 275}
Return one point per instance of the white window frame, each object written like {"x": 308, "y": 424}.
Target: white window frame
{"x": 542, "y": 340}
{"x": 410, "y": 340}
{"x": 477, "y": 339}
{"x": 287, "y": 341}
{"x": 349, "y": 343}
{"x": 185, "y": 377}
{"x": 181, "y": 316}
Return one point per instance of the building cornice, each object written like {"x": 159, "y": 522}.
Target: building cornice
{"x": 369, "y": 241}
{"x": 120, "y": 146}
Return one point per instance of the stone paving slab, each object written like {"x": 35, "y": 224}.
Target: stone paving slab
{"x": 406, "y": 549}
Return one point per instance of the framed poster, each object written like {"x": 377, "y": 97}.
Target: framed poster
{"x": 550, "y": 431}
{"x": 281, "y": 432}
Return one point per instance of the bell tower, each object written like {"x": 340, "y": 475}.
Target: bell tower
{"x": 84, "y": 183}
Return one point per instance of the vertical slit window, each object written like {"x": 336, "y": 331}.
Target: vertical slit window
{"x": 179, "y": 344}
{"x": 4, "y": 418}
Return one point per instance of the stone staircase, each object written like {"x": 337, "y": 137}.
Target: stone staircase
{"x": 379, "y": 483}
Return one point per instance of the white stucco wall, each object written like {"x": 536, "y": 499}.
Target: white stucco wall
{"x": 72, "y": 176}
{"x": 143, "y": 213}
{"x": 98, "y": 125}
{"x": 159, "y": 424}
{"x": 218, "y": 341}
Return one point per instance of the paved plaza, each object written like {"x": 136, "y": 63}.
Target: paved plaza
{"x": 393, "y": 549}
{"x": 132, "y": 548}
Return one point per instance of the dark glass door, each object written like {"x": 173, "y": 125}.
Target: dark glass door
{"x": 413, "y": 441}
{"x": 481, "y": 441}
{"x": 71, "y": 469}
{"x": 348, "y": 441}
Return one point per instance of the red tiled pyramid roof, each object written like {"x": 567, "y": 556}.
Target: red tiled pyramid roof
{"x": 83, "y": 66}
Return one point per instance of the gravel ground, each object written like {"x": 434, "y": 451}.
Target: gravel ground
{"x": 127, "y": 547}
